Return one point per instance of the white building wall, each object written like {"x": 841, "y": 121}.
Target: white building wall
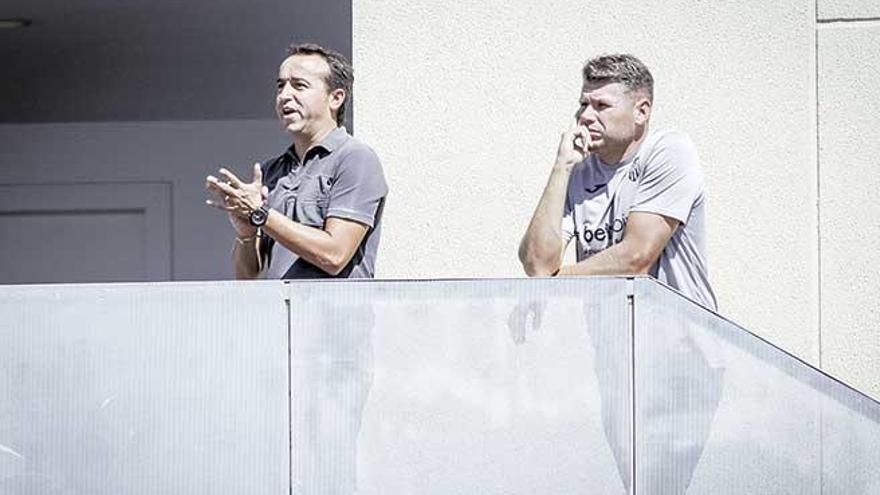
{"x": 848, "y": 10}
{"x": 465, "y": 101}
{"x": 849, "y": 165}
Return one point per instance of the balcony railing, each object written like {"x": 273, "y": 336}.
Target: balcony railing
{"x": 599, "y": 385}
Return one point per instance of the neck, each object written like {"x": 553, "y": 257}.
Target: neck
{"x": 306, "y": 140}
{"x": 624, "y": 152}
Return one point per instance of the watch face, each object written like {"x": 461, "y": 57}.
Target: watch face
{"x": 258, "y": 217}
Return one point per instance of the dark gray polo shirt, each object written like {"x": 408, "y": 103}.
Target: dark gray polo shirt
{"x": 340, "y": 177}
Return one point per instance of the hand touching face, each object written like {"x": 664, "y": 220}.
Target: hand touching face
{"x": 612, "y": 114}
{"x": 573, "y": 145}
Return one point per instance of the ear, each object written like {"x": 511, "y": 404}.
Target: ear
{"x": 337, "y": 99}
{"x": 642, "y": 111}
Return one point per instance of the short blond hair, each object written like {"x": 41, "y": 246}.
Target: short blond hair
{"x": 620, "y": 68}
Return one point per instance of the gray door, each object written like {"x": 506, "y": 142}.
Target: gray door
{"x": 57, "y": 233}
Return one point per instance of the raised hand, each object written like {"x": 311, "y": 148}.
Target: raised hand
{"x": 573, "y": 146}
{"x": 239, "y": 199}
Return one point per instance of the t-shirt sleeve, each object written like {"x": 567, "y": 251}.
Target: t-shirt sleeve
{"x": 359, "y": 188}
{"x": 671, "y": 180}
{"x": 567, "y": 221}
{"x": 572, "y": 197}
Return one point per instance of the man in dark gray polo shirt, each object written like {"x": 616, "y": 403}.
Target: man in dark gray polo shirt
{"x": 316, "y": 210}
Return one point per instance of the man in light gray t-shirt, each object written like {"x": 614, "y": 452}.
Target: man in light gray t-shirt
{"x": 633, "y": 199}
{"x": 662, "y": 178}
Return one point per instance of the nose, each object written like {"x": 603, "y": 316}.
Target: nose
{"x": 586, "y": 115}
{"x": 285, "y": 92}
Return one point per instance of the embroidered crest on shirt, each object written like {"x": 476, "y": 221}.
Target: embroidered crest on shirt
{"x": 635, "y": 171}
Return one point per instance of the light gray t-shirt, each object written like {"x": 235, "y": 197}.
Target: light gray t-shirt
{"x": 340, "y": 177}
{"x": 662, "y": 177}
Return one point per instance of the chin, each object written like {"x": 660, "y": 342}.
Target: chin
{"x": 292, "y": 127}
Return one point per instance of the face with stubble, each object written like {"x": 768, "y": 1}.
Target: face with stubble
{"x": 303, "y": 102}
{"x": 614, "y": 116}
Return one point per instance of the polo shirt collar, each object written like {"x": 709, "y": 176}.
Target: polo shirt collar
{"x": 331, "y": 141}
{"x": 335, "y": 139}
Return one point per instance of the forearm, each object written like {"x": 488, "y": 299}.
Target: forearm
{"x": 317, "y": 246}
{"x": 540, "y": 250}
{"x": 620, "y": 259}
{"x": 246, "y": 259}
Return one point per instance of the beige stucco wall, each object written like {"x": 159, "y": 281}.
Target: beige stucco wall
{"x": 848, "y": 9}
{"x": 464, "y": 102}
{"x": 849, "y": 159}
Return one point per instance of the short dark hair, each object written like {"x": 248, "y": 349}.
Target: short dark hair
{"x": 341, "y": 74}
{"x": 620, "y": 68}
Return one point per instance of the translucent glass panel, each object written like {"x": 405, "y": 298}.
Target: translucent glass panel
{"x": 444, "y": 387}
{"x": 604, "y": 386}
{"x": 144, "y": 389}
{"x": 720, "y": 411}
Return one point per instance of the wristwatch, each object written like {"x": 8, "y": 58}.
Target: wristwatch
{"x": 259, "y": 216}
